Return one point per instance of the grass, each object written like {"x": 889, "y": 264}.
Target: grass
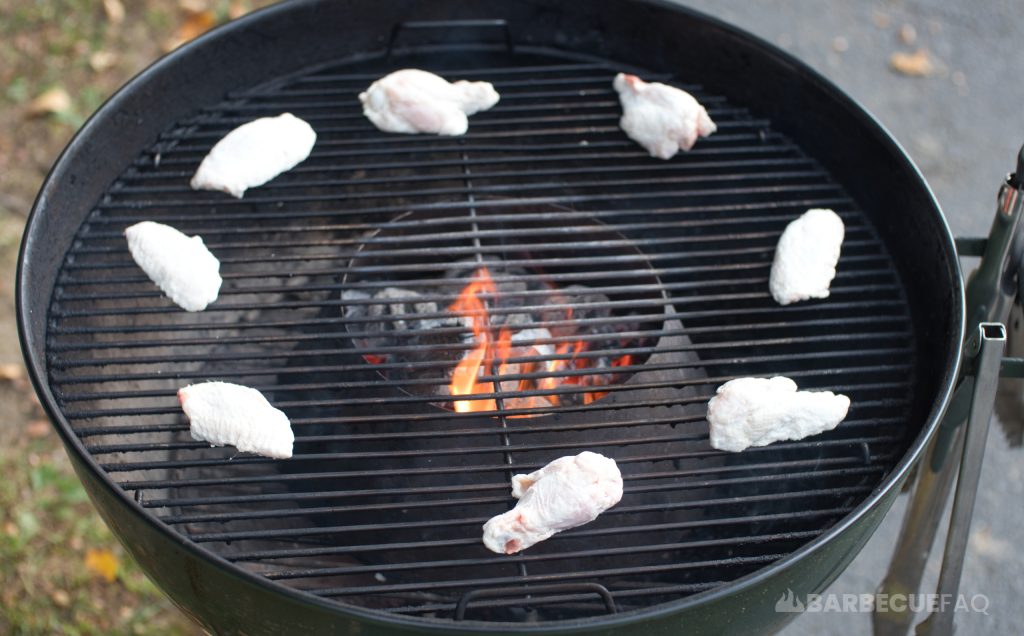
{"x": 61, "y": 570}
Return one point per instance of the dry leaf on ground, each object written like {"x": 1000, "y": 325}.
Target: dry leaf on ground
{"x": 60, "y": 598}
{"x": 11, "y": 372}
{"x": 194, "y": 6}
{"x": 237, "y": 9}
{"x": 114, "y": 10}
{"x": 103, "y": 60}
{"x": 37, "y": 429}
{"x": 55, "y": 100}
{"x": 102, "y": 563}
{"x": 916, "y": 64}
{"x": 195, "y": 24}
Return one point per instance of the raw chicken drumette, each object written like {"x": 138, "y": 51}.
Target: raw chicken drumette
{"x": 659, "y": 117}
{"x": 414, "y": 101}
{"x": 568, "y": 492}
{"x": 757, "y": 411}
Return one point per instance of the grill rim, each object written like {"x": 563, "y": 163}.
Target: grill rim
{"x": 32, "y": 340}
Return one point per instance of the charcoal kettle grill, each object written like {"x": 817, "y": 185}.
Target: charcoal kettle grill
{"x": 373, "y": 526}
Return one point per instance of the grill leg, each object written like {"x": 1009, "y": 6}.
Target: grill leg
{"x": 917, "y": 535}
{"x": 930, "y": 495}
{"x": 992, "y": 337}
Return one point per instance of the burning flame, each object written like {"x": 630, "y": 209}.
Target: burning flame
{"x": 490, "y": 357}
{"x": 464, "y": 378}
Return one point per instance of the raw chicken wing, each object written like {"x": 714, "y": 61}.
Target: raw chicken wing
{"x": 414, "y": 101}
{"x": 659, "y": 117}
{"x": 806, "y": 257}
{"x": 180, "y": 265}
{"x": 757, "y": 411}
{"x": 568, "y": 492}
{"x": 230, "y": 414}
{"x": 255, "y": 153}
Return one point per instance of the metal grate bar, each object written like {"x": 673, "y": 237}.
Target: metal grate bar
{"x": 515, "y": 188}
{"x": 837, "y": 307}
{"x": 883, "y": 386}
{"x": 341, "y": 571}
{"x": 612, "y": 159}
{"x": 562, "y": 171}
{"x": 476, "y": 522}
{"x": 318, "y": 457}
{"x": 807, "y": 357}
{"x": 115, "y": 239}
{"x": 537, "y": 578}
{"x": 284, "y": 513}
{"x": 157, "y": 484}
{"x": 505, "y": 151}
{"x": 239, "y": 357}
{"x": 354, "y": 437}
{"x": 312, "y": 337}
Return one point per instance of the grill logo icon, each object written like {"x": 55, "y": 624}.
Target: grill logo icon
{"x": 788, "y": 602}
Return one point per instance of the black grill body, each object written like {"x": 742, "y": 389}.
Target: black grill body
{"x": 376, "y": 519}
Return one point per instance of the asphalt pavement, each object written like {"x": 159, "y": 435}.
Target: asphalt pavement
{"x": 962, "y": 124}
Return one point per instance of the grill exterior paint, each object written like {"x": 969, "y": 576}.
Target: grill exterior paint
{"x": 384, "y": 481}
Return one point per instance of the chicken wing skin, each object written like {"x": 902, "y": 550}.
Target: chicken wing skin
{"x": 568, "y": 492}
{"x": 254, "y": 153}
{"x": 758, "y": 411}
{"x": 224, "y": 414}
{"x": 415, "y": 101}
{"x": 806, "y": 257}
{"x": 181, "y": 266}
{"x": 661, "y": 118}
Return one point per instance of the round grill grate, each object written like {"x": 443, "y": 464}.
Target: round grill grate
{"x": 382, "y": 504}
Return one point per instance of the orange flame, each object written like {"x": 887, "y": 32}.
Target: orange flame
{"x": 464, "y": 378}
{"x": 480, "y": 360}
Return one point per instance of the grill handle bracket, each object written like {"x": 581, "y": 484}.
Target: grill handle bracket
{"x": 420, "y": 25}
{"x": 511, "y": 592}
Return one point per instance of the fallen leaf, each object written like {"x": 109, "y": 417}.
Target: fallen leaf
{"x": 880, "y": 19}
{"x": 37, "y": 429}
{"x": 237, "y": 9}
{"x": 11, "y": 372}
{"x": 916, "y": 64}
{"x": 10, "y": 529}
{"x": 908, "y": 34}
{"x": 195, "y": 24}
{"x": 114, "y": 10}
{"x": 193, "y": 6}
{"x": 60, "y": 598}
{"x": 102, "y": 563}
{"x": 102, "y": 60}
{"x": 55, "y": 100}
